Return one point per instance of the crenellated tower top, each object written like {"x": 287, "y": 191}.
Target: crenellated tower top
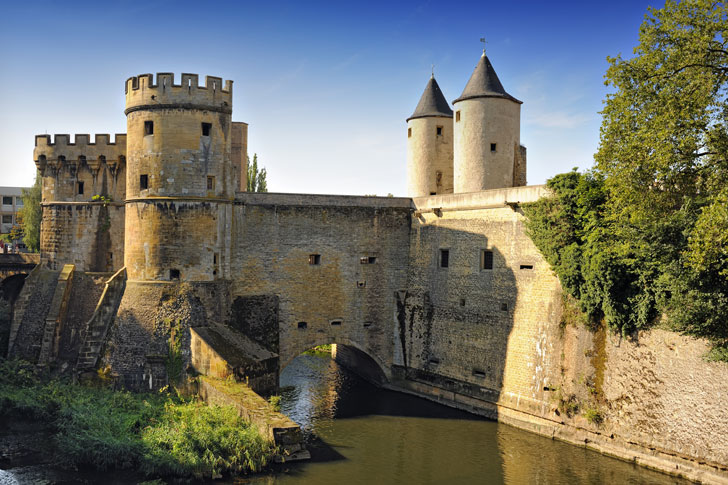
{"x": 142, "y": 93}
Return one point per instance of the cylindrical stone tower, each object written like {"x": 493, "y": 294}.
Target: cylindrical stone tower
{"x": 430, "y": 145}
{"x": 487, "y": 132}
{"x": 180, "y": 179}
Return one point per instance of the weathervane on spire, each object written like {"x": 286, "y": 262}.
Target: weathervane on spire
{"x": 432, "y": 76}
{"x": 482, "y": 39}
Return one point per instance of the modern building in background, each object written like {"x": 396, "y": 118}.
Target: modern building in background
{"x": 11, "y": 202}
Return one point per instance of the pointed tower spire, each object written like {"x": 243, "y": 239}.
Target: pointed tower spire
{"x": 484, "y": 83}
{"x": 432, "y": 102}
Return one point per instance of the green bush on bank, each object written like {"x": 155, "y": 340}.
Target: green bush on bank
{"x": 159, "y": 434}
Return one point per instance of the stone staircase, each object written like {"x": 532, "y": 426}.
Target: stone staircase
{"x": 100, "y": 322}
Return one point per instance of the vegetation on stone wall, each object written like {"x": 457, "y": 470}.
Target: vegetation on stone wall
{"x": 158, "y": 434}
{"x": 30, "y": 215}
{"x": 645, "y": 233}
{"x": 256, "y": 178}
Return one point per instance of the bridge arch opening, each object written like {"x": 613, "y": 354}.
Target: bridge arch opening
{"x": 348, "y": 354}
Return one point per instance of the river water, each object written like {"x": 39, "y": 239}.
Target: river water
{"x": 360, "y": 434}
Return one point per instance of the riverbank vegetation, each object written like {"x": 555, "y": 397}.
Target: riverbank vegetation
{"x": 642, "y": 238}
{"x": 158, "y": 434}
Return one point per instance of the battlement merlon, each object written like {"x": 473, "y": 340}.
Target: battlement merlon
{"x": 60, "y": 149}
{"x": 142, "y": 93}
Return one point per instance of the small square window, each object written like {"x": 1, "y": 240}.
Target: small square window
{"x": 148, "y": 127}
{"x": 457, "y": 116}
{"x": 314, "y": 259}
{"x": 302, "y": 325}
{"x": 439, "y": 131}
{"x": 210, "y": 182}
{"x": 206, "y": 127}
{"x": 372, "y": 259}
{"x": 7, "y": 200}
{"x": 504, "y": 307}
{"x": 174, "y": 274}
{"x": 79, "y": 188}
{"x": 492, "y": 147}
{"x": 486, "y": 259}
{"x": 409, "y": 132}
{"x": 444, "y": 258}
{"x": 143, "y": 182}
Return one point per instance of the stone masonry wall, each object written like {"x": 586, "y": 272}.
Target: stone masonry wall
{"x": 89, "y": 235}
{"x": 337, "y": 298}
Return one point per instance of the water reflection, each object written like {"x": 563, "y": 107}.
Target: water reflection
{"x": 361, "y": 434}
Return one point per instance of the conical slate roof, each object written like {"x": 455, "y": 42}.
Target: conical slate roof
{"x": 484, "y": 83}
{"x": 432, "y": 102}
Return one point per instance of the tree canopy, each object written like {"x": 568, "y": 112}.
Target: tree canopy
{"x": 645, "y": 233}
{"x": 30, "y": 215}
{"x": 256, "y": 178}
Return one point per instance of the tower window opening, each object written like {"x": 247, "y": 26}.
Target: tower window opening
{"x": 486, "y": 259}
{"x": 526, "y": 266}
{"x": 210, "y": 182}
{"x": 409, "y": 132}
{"x": 439, "y": 131}
{"x": 174, "y": 274}
{"x": 457, "y": 116}
{"x": 143, "y": 182}
{"x": 504, "y": 307}
{"x": 335, "y": 323}
{"x": 372, "y": 259}
{"x": 79, "y": 188}
{"x": 444, "y": 258}
{"x": 302, "y": 325}
{"x": 478, "y": 373}
{"x": 314, "y": 259}
{"x": 206, "y": 127}
{"x": 492, "y": 147}
{"x": 149, "y": 127}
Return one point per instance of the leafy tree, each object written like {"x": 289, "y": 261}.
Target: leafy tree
{"x": 646, "y": 233}
{"x": 30, "y": 215}
{"x": 256, "y": 178}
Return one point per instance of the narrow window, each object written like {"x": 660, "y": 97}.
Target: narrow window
{"x": 526, "y": 266}
{"x": 462, "y": 301}
{"x": 143, "y": 182}
{"x": 79, "y": 188}
{"x": 492, "y": 147}
{"x": 457, "y": 116}
{"x": 335, "y": 323}
{"x": 444, "y": 258}
{"x": 210, "y": 182}
{"x": 367, "y": 324}
{"x": 504, "y": 307}
{"x": 434, "y": 360}
{"x": 19, "y": 201}
{"x": 214, "y": 258}
{"x": 206, "y": 127}
{"x": 409, "y": 132}
{"x": 433, "y": 193}
{"x": 314, "y": 259}
{"x": 478, "y": 373}
{"x": 174, "y": 274}
{"x": 439, "y": 131}
{"x": 302, "y": 325}
{"x": 149, "y": 127}
{"x": 486, "y": 259}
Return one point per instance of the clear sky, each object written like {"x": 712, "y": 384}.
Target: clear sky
{"x": 325, "y": 86}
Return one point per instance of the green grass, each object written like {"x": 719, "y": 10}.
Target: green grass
{"x": 158, "y": 434}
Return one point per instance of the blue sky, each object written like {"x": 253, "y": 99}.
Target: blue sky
{"x": 325, "y": 86}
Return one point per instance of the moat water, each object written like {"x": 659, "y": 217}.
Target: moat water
{"x": 360, "y": 434}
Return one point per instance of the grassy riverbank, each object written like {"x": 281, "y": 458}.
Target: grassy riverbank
{"x": 159, "y": 434}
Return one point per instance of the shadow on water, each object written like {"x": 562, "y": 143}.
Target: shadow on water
{"x": 359, "y": 433}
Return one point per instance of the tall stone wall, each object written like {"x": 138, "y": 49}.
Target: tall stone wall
{"x": 493, "y": 341}
{"x": 328, "y": 267}
{"x": 87, "y": 234}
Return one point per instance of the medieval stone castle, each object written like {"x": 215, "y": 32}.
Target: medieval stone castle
{"x": 150, "y": 243}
